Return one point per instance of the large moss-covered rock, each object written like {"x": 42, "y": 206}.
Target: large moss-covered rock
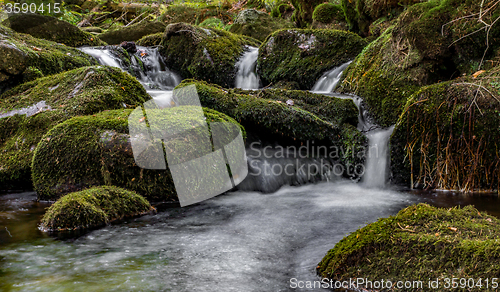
{"x": 23, "y": 52}
{"x": 96, "y": 150}
{"x": 29, "y": 110}
{"x": 302, "y": 56}
{"x": 203, "y": 53}
{"x": 328, "y": 12}
{"x": 419, "y": 243}
{"x": 150, "y": 40}
{"x": 425, "y": 46}
{"x": 305, "y": 118}
{"x": 93, "y": 208}
{"x": 52, "y": 29}
{"x": 448, "y": 136}
{"x": 133, "y": 32}
{"x": 257, "y": 24}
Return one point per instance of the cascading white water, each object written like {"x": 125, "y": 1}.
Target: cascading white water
{"x": 377, "y": 154}
{"x": 156, "y": 78}
{"x": 329, "y": 81}
{"x": 247, "y": 78}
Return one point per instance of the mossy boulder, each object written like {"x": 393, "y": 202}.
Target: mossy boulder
{"x": 29, "y": 110}
{"x": 328, "y": 12}
{"x": 304, "y": 55}
{"x": 419, "y": 243}
{"x": 52, "y": 29}
{"x": 96, "y": 150}
{"x": 25, "y": 53}
{"x": 282, "y": 9}
{"x": 304, "y": 11}
{"x": 151, "y": 40}
{"x": 133, "y": 32}
{"x": 307, "y": 117}
{"x": 449, "y": 135}
{"x": 93, "y": 208}
{"x": 257, "y": 24}
{"x": 425, "y": 46}
{"x": 203, "y": 53}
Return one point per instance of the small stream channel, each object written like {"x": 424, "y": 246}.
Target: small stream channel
{"x": 239, "y": 241}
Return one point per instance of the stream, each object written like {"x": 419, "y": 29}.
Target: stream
{"x": 239, "y": 241}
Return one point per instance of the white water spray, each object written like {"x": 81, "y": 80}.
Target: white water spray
{"x": 329, "y": 81}
{"x": 246, "y": 78}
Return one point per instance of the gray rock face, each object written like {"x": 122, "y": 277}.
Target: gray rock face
{"x": 14, "y": 60}
{"x": 248, "y": 16}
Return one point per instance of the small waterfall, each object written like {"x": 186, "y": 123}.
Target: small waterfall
{"x": 377, "y": 154}
{"x": 328, "y": 82}
{"x": 156, "y": 78}
{"x": 246, "y": 78}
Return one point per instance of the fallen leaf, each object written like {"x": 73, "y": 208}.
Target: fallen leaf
{"x": 437, "y": 234}
{"x": 453, "y": 229}
{"x": 142, "y": 119}
{"x": 36, "y": 49}
{"x": 478, "y": 73}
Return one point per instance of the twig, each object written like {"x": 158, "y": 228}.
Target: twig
{"x": 135, "y": 19}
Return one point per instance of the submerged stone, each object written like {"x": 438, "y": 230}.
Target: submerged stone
{"x": 93, "y": 208}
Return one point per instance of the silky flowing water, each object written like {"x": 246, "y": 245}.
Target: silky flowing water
{"x": 239, "y": 241}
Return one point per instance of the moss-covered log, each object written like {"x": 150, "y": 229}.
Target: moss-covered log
{"x": 448, "y": 136}
{"x": 203, "y": 53}
{"x": 93, "y": 208}
{"x": 303, "y": 56}
{"x": 419, "y": 243}
{"x": 29, "y": 110}
{"x": 96, "y": 150}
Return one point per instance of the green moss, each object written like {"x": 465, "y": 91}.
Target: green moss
{"x": 52, "y": 29}
{"x": 80, "y": 91}
{"x": 327, "y": 12}
{"x": 93, "y": 208}
{"x": 151, "y": 40}
{"x": 32, "y": 73}
{"x": 95, "y": 150}
{"x": 420, "y": 49}
{"x": 448, "y": 136}
{"x": 325, "y": 120}
{"x": 281, "y": 10}
{"x": 203, "y": 53}
{"x": 24, "y": 51}
{"x": 133, "y": 32}
{"x": 419, "y": 243}
{"x": 194, "y": 15}
{"x": 259, "y": 25}
{"x": 304, "y": 11}
{"x": 303, "y": 56}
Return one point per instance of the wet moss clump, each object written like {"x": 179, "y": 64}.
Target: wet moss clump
{"x": 203, "y": 53}
{"x": 324, "y": 120}
{"x": 52, "y": 29}
{"x": 23, "y": 51}
{"x": 327, "y": 12}
{"x": 132, "y": 33}
{"x": 93, "y": 208}
{"x": 96, "y": 150}
{"x": 303, "y": 56}
{"x": 151, "y": 40}
{"x": 428, "y": 43}
{"x": 419, "y": 243}
{"x": 448, "y": 136}
{"x": 51, "y": 100}
{"x": 257, "y": 24}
